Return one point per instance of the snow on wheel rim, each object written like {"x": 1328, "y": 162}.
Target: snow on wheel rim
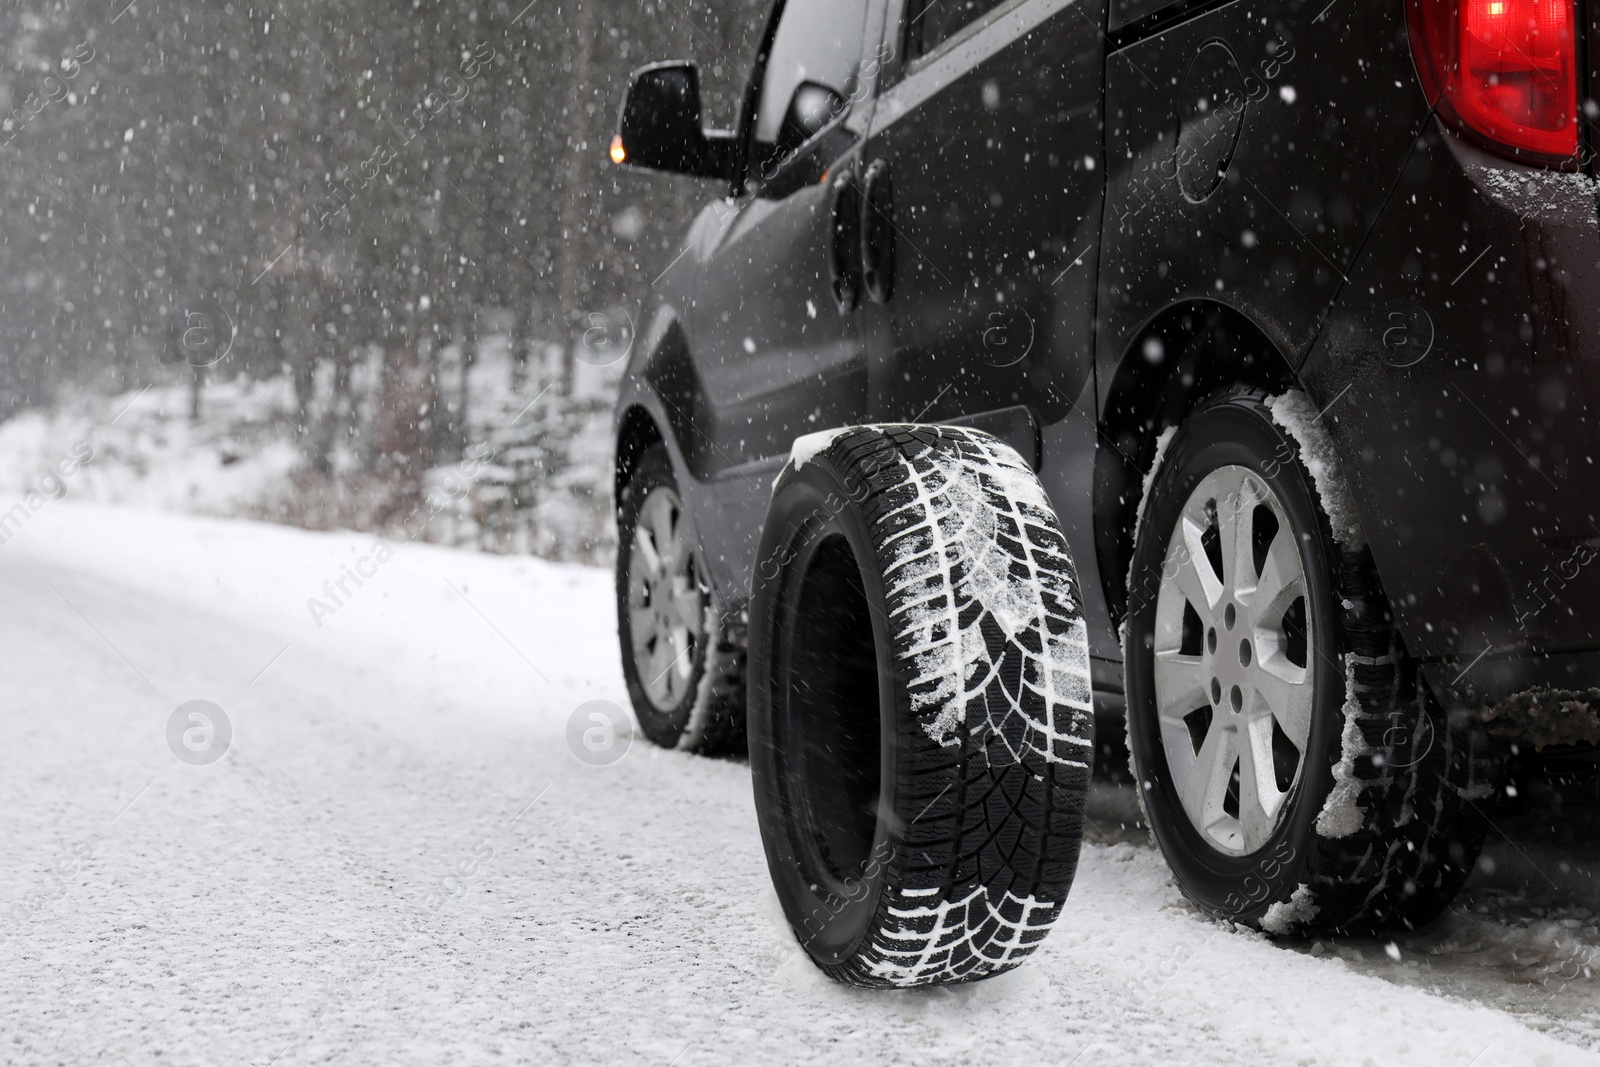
{"x": 665, "y": 603}
{"x": 1234, "y": 662}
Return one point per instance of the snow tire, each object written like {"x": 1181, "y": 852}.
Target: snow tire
{"x": 921, "y": 733}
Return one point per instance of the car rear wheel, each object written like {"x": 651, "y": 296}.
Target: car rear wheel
{"x": 1296, "y": 772}
{"x": 682, "y": 656}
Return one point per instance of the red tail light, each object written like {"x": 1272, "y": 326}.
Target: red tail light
{"x": 1504, "y": 70}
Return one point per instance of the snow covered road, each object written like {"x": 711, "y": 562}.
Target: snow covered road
{"x": 401, "y": 859}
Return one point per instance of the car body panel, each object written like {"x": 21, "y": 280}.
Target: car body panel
{"x": 1279, "y": 162}
{"x": 750, "y": 335}
{"x": 1310, "y": 167}
{"x": 1467, "y": 347}
{"x": 992, "y": 140}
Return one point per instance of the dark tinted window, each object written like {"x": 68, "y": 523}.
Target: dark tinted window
{"x": 935, "y": 21}
{"x": 811, "y": 70}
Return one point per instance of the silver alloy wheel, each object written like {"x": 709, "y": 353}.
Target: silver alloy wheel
{"x": 666, "y": 608}
{"x": 1235, "y": 671}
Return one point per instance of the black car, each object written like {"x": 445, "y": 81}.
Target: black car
{"x": 1291, "y": 311}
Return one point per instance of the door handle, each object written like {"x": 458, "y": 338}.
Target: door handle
{"x": 844, "y": 240}
{"x": 877, "y": 233}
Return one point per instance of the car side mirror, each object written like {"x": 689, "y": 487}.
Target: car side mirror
{"x": 813, "y": 107}
{"x": 660, "y": 125}
{"x": 809, "y": 140}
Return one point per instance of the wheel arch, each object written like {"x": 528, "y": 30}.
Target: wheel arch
{"x": 1181, "y": 355}
{"x": 661, "y": 402}
{"x": 636, "y": 433}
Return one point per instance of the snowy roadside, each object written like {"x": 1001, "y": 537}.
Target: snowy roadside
{"x": 518, "y": 468}
{"x": 402, "y": 859}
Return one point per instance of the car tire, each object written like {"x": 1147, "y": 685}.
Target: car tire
{"x": 1296, "y": 772}
{"x": 921, "y": 734}
{"x": 682, "y": 652}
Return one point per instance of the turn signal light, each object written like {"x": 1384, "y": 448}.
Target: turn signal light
{"x": 1504, "y": 71}
{"x": 618, "y": 153}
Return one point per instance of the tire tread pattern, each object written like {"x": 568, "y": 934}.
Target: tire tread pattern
{"x": 994, "y": 722}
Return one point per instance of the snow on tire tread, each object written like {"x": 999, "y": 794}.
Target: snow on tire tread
{"x": 985, "y": 614}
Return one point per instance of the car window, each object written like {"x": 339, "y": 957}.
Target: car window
{"x": 811, "y": 69}
{"x": 932, "y": 22}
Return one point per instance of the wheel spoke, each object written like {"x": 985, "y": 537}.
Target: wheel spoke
{"x": 1195, "y": 578}
{"x": 640, "y": 589}
{"x": 1180, "y": 684}
{"x": 1202, "y": 792}
{"x": 1235, "y": 518}
{"x": 667, "y": 677}
{"x": 674, "y": 664}
{"x": 1287, "y": 695}
{"x": 685, "y": 607}
{"x": 656, "y": 657}
{"x": 645, "y": 551}
{"x": 1259, "y": 799}
{"x": 675, "y": 557}
{"x": 641, "y": 624}
{"x": 682, "y": 662}
{"x": 1281, "y": 578}
{"x": 664, "y": 528}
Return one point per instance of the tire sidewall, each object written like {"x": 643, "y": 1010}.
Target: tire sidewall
{"x": 1235, "y": 430}
{"x": 810, "y": 505}
{"x": 664, "y": 728}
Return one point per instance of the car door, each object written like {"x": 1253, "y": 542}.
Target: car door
{"x": 988, "y": 140}
{"x": 778, "y": 356}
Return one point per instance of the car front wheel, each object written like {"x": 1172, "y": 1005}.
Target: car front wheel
{"x": 682, "y": 656}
